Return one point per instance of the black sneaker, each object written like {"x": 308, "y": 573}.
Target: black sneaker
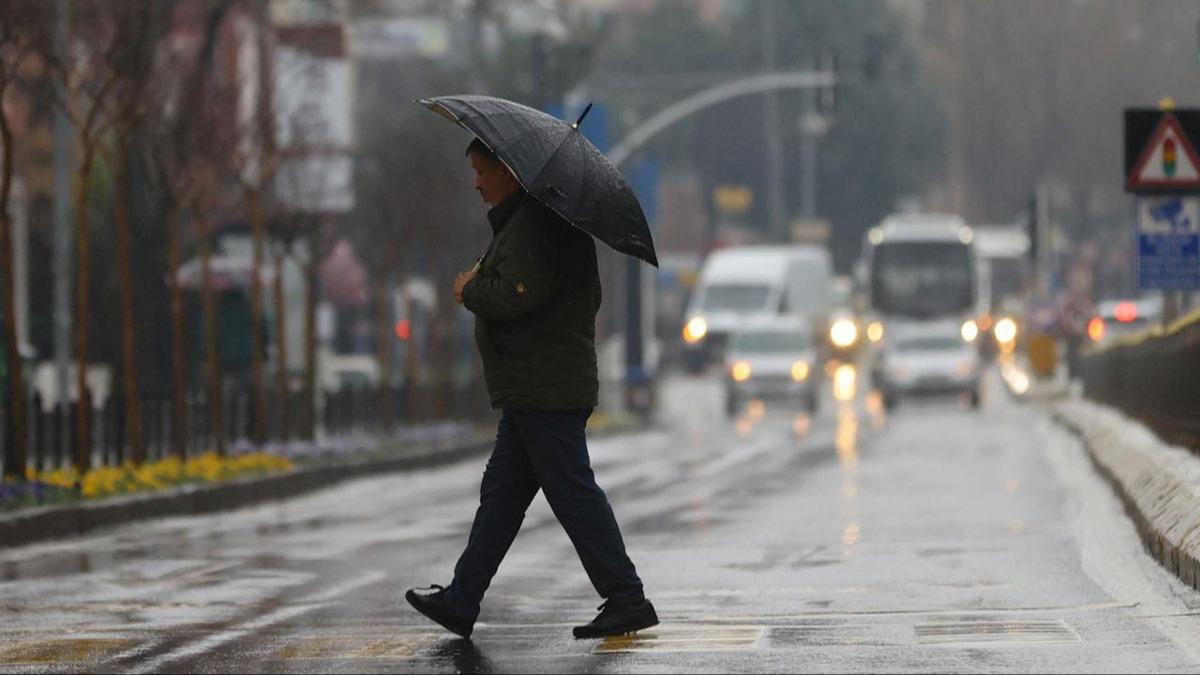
{"x": 432, "y": 603}
{"x": 618, "y": 620}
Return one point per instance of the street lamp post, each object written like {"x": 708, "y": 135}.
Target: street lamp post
{"x": 638, "y": 383}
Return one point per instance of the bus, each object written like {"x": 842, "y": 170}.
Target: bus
{"x": 920, "y": 268}
{"x": 920, "y": 283}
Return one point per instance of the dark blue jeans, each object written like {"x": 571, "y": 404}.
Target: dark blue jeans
{"x": 546, "y": 450}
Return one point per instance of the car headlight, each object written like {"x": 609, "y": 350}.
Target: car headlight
{"x": 800, "y": 371}
{"x": 1005, "y": 331}
{"x": 875, "y": 331}
{"x": 740, "y": 371}
{"x": 843, "y": 333}
{"x": 970, "y": 330}
{"x": 695, "y": 330}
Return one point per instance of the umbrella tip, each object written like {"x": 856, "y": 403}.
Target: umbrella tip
{"x": 581, "y": 116}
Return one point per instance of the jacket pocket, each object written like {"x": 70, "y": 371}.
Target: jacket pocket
{"x": 509, "y": 340}
{"x": 488, "y": 348}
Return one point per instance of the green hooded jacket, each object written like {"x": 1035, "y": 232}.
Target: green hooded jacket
{"x": 535, "y": 300}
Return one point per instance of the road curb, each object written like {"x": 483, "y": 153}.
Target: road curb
{"x": 58, "y": 522}
{"x": 1164, "y": 509}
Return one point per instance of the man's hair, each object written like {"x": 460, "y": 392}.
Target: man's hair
{"x": 484, "y": 151}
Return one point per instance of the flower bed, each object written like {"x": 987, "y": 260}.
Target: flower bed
{"x": 65, "y": 485}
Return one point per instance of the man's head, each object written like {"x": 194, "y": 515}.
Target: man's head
{"x": 493, "y": 180}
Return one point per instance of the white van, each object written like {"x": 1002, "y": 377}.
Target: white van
{"x": 741, "y": 284}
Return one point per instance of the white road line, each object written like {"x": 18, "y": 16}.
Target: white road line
{"x": 281, "y": 615}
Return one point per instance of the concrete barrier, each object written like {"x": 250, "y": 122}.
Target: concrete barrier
{"x": 1157, "y": 483}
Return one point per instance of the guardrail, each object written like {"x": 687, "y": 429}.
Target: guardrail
{"x": 1153, "y": 377}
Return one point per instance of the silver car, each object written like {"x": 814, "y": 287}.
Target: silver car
{"x": 927, "y": 360}
{"x": 774, "y": 359}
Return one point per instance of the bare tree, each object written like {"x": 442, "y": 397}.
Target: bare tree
{"x": 410, "y": 208}
{"x": 299, "y": 219}
{"x": 131, "y": 59}
{"x": 258, "y": 167}
{"x": 182, "y": 135}
{"x": 24, "y": 37}
{"x": 89, "y": 86}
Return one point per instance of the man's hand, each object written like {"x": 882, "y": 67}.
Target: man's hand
{"x": 460, "y": 282}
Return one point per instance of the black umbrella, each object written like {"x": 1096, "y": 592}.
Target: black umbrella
{"x": 556, "y": 164}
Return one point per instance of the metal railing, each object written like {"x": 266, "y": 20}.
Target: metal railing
{"x": 350, "y": 411}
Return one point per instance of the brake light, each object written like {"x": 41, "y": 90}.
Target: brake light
{"x": 1125, "y": 312}
{"x": 1095, "y": 329}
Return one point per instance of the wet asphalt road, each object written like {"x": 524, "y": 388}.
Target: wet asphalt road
{"x": 935, "y": 538}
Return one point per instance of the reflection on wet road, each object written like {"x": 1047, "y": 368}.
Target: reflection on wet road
{"x": 931, "y": 537}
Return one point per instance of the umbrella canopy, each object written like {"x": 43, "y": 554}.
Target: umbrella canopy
{"x": 556, "y": 164}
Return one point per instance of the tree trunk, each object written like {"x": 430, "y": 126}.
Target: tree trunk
{"x": 83, "y": 290}
{"x": 383, "y": 350}
{"x": 411, "y": 363}
{"x": 310, "y": 341}
{"x": 133, "y": 408}
{"x": 439, "y": 358}
{"x": 257, "y": 371}
{"x": 178, "y": 355}
{"x": 281, "y": 352}
{"x": 212, "y": 349}
{"x": 14, "y": 464}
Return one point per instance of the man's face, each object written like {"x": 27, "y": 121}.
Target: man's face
{"x": 492, "y": 179}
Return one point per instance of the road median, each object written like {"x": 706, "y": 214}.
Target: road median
{"x": 44, "y": 523}
{"x": 32, "y": 525}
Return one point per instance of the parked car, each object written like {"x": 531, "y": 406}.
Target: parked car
{"x": 1116, "y": 318}
{"x": 927, "y": 358}
{"x": 772, "y": 359}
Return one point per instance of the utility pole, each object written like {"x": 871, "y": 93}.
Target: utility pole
{"x": 813, "y": 125}
{"x": 62, "y": 216}
{"x": 773, "y": 138}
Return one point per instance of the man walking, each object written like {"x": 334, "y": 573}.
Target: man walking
{"x": 535, "y": 294}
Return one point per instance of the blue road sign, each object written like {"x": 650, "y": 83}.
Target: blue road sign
{"x": 1168, "y": 243}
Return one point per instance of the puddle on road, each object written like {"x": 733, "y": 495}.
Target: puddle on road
{"x": 49, "y": 565}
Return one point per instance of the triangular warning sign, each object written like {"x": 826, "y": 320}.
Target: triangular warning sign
{"x": 1169, "y": 160}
